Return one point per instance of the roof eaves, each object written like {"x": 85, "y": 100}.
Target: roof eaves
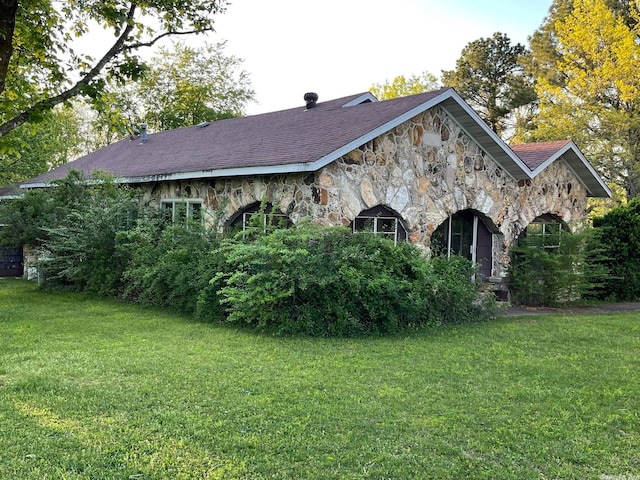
{"x": 35, "y": 185}
{"x": 521, "y": 170}
{"x": 219, "y": 173}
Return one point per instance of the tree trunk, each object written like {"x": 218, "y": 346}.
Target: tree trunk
{"x": 8, "y": 9}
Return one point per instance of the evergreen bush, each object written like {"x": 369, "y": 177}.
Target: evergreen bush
{"x": 617, "y": 237}
{"x": 543, "y": 275}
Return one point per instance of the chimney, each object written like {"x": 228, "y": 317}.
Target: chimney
{"x": 311, "y": 99}
{"x": 143, "y": 129}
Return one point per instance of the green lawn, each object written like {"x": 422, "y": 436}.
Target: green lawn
{"x": 101, "y": 390}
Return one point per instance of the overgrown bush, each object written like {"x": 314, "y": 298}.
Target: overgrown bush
{"x": 617, "y": 237}
{"x": 312, "y": 280}
{"x": 540, "y": 275}
{"x": 27, "y": 219}
{"x": 82, "y": 245}
{"x": 326, "y": 281}
{"x": 167, "y": 265}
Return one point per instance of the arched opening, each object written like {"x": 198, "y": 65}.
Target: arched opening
{"x": 380, "y": 220}
{"x": 259, "y": 215}
{"x": 545, "y": 231}
{"x": 466, "y": 233}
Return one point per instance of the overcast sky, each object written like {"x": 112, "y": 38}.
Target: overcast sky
{"x": 340, "y": 47}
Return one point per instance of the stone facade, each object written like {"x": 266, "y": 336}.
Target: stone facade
{"x": 425, "y": 170}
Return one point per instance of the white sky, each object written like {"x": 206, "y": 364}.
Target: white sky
{"x": 341, "y": 47}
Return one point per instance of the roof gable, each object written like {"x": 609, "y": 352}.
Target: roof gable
{"x": 538, "y": 156}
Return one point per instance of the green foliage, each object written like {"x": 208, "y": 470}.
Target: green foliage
{"x": 545, "y": 275}
{"x": 82, "y": 245}
{"x": 402, "y": 86}
{"x": 185, "y": 86}
{"x": 586, "y": 58}
{"x": 27, "y": 219}
{"x": 618, "y": 238}
{"x": 322, "y": 281}
{"x": 37, "y": 147}
{"x": 489, "y": 75}
{"x": 45, "y": 65}
{"x": 167, "y": 266}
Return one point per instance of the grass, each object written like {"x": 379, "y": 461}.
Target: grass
{"x": 101, "y": 390}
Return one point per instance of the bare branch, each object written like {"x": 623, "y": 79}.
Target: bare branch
{"x": 165, "y": 34}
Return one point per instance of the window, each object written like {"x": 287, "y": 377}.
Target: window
{"x": 380, "y": 221}
{"x": 546, "y": 232}
{"x": 179, "y": 210}
{"x": 261, "y": 216}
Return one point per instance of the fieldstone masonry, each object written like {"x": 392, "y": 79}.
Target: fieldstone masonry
{"x": 425, "y": 170}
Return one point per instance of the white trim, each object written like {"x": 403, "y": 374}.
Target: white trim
{"x": 496, "y": 139}
{"x": 474, "y": 240}
{"x": 573, "y": 147}
{"x": 165, "y": 203}
{"x": 365, "y": 97}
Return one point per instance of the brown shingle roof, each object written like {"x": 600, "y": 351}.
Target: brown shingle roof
{"x": 287, "y": 137}
{"x": 535, "y": 154}
{"x": 300, "y": 139}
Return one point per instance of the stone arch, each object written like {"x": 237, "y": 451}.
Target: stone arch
{"x": 471, "y": 234}
{"x": 380, "y": 220}
{"x": 270, "y": 217}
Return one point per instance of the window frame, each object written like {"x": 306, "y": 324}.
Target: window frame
{"x": 242, "y": 218}
{"x": 377, "y": 215}
{"x": 174, "y": 203}
{"x": 543, "y": 235}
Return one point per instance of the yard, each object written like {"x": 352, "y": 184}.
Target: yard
{"x": 101, "y": 390}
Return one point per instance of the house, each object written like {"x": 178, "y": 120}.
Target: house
{"x": 424, "y": 168}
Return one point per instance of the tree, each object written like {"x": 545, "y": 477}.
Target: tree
{"x": 592, "y": 92}
{"x": 39, "y": 67}
{"x": 185, "y": 86}
{"x": 37, "y": 147}
{"x": 401, "y": 86}
{"x": 489, "y": 75}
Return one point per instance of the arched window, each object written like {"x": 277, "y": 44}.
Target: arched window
{"x": 380, "y": 220}
{"x": 259, "y": 215}
{"x": 465, "y": 233}
{"x": 546, "y": 231}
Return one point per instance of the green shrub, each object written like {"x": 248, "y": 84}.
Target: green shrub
{"x": 455, "y": 298}
{"x": 167, "y": 266}
{"x": 617, "y": 237}
{"x": 82, "y": 245}
{"x": 327, "y": 281}
{"x": 565, "y": 274}
{"x": 27, "y": 219}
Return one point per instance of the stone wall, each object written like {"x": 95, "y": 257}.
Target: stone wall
{"x": 425, "y": 170}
